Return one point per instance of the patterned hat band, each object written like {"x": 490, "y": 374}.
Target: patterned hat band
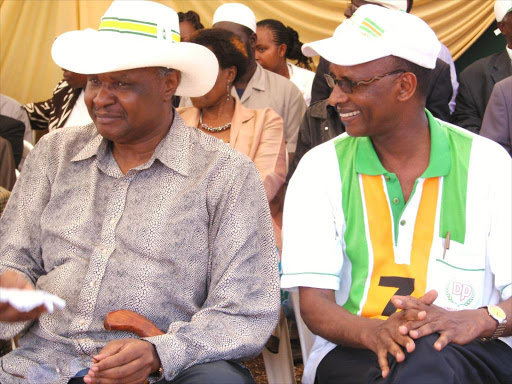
{"x": 137, "y": 27}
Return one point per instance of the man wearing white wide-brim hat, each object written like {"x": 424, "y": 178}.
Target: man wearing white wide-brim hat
{"x": 139, "y": 212}
{"x": 400, "y": 244}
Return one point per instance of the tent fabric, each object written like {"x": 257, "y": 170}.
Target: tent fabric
{"x": 28, "y": 28}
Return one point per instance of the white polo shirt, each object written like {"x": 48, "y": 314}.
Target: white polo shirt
{"x": 346, "y": 227}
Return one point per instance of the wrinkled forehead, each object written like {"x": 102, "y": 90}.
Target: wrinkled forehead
{"x": 364, "y": 70}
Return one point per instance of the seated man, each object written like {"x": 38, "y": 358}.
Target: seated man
{"x": 404, "y": 204}
{"x": 477, "y": 80}
{"x": 138, "y": 211}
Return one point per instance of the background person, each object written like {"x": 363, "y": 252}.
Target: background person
{"x": 66, "y": 108}
{"x": 477, "y": 80}
{"x": 258, "y": 133}
{"x": 190, "y": 22}
{"x": 275, "y": 45}
{"x": 497, "y": 123}
{"x": 259, "y": 88}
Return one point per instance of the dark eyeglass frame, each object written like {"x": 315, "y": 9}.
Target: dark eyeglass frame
{"x": 347, "y": 85}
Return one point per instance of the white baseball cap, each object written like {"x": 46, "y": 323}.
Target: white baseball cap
{"x": 501, "y": 8}
{"x": 374, "y": 32}
{"x": 235, "y": 13}
{"x": 397, "y": 5}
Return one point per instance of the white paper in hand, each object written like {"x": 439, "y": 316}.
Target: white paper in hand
{"x": 25, "y": 300}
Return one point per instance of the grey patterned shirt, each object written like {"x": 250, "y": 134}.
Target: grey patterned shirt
{"x": 185, "y": 239}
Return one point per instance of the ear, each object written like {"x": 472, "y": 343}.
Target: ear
{"x": 253, "y": 39}
{"x": 407, "y": 86}
{"x": 231, "y": 74}
{"x": 281, "y": 50}
{"x": 170, "y": 83}
{"x": 501, "y": 26}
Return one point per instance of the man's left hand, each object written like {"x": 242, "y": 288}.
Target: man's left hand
{"x": 124, "y": 361}
{"x": 459, "y": 327}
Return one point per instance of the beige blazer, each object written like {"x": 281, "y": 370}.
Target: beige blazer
{"x": 258, "y": 133}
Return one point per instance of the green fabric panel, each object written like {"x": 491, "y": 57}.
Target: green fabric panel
{"x": 453, "y": 204}
{"x": 356, "y": 245}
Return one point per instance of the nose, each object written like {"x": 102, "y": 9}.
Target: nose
{"x": 103, "y": 96}
{"x": 337, "y": 96}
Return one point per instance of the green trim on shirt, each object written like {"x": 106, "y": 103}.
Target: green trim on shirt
{"x": 356, "y": 245}
{"x": 462, "y": 269}
{"x": 455, "y": 184}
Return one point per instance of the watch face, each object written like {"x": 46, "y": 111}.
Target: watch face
{"x": 497, "y": 313}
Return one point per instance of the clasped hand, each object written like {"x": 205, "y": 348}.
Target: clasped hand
{"x": 124, "y": 361}
{"x": 418, "y": 318}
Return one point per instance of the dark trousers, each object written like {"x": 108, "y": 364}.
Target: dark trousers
{"x": 218, "y": 372}
{"x": 477, "y": 362}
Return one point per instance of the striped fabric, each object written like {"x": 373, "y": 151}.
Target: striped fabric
{"x": 371, "y": 27}
{"x": 135, "y": 27}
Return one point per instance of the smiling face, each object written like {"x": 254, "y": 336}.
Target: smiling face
{"x": 370, "y": 110}
{"x": 129, "y": 107}
{"x": 268, "y": 54}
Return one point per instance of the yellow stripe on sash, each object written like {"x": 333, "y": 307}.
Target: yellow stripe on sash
{"x": 387, "y": 277}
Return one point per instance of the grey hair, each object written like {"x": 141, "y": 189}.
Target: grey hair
{"x": 162, "y": 71}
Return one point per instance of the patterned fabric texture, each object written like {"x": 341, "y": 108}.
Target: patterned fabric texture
{"x": 53, "y": 113}
{"x": 185, "y": 239}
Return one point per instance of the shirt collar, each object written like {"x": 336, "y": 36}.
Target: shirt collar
{"x": 258, "y": 79}
{"x": 368, "y": 163}
{"x": 173, "y": 150}
{"x": 509, "y": 51}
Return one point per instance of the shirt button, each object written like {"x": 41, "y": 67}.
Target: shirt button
{"x": 396, "y": 200}
{"x": 402, "y": 222}
{"x": 326, "y": 128}
{"x": 92, "y": 284}
{"x": 81, "y": 322}
{"x": 112, "y": 221}
{"x": 387, "y": 177}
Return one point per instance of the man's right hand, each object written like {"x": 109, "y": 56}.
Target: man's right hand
{"x": 12, "y": 279}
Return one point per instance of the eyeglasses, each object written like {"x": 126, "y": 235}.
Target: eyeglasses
{"x": 347, "y": 86}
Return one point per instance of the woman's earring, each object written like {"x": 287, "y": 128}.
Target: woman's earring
{"x": 228, "y": 92}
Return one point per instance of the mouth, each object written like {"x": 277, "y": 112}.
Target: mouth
{"x": 104, "y": 118}
{"x": 348, "y": 116}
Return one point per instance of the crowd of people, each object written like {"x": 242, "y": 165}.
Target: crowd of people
{"x": 191, "y": 175}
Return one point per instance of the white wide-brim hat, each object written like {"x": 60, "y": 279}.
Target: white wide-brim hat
{"x": 374, "y": 32}
{"x": 138, "y": 34}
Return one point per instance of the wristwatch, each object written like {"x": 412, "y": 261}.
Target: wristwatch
{"x": 500, "y": 316}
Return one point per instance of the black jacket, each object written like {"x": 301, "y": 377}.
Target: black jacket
{"x": 321, "y": 123}
{"x": 475, "y": 87}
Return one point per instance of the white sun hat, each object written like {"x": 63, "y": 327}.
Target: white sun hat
{"x": 374, "y": 32}
{"x": 397, "y": 5}
{"x": 501, "y": 8}
{"x": 138, "y": 34}
{"x": 235, "y": 13}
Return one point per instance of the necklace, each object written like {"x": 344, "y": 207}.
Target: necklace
{"x": 206, "y": 127}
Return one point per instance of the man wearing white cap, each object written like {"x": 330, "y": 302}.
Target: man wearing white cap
{"x": 402, "y": 204}
{"x": 260, "y": 88}
{"x": 443, "y": 82}
{"x": 478, "y": 79}
{"x": 136, "y": 211}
